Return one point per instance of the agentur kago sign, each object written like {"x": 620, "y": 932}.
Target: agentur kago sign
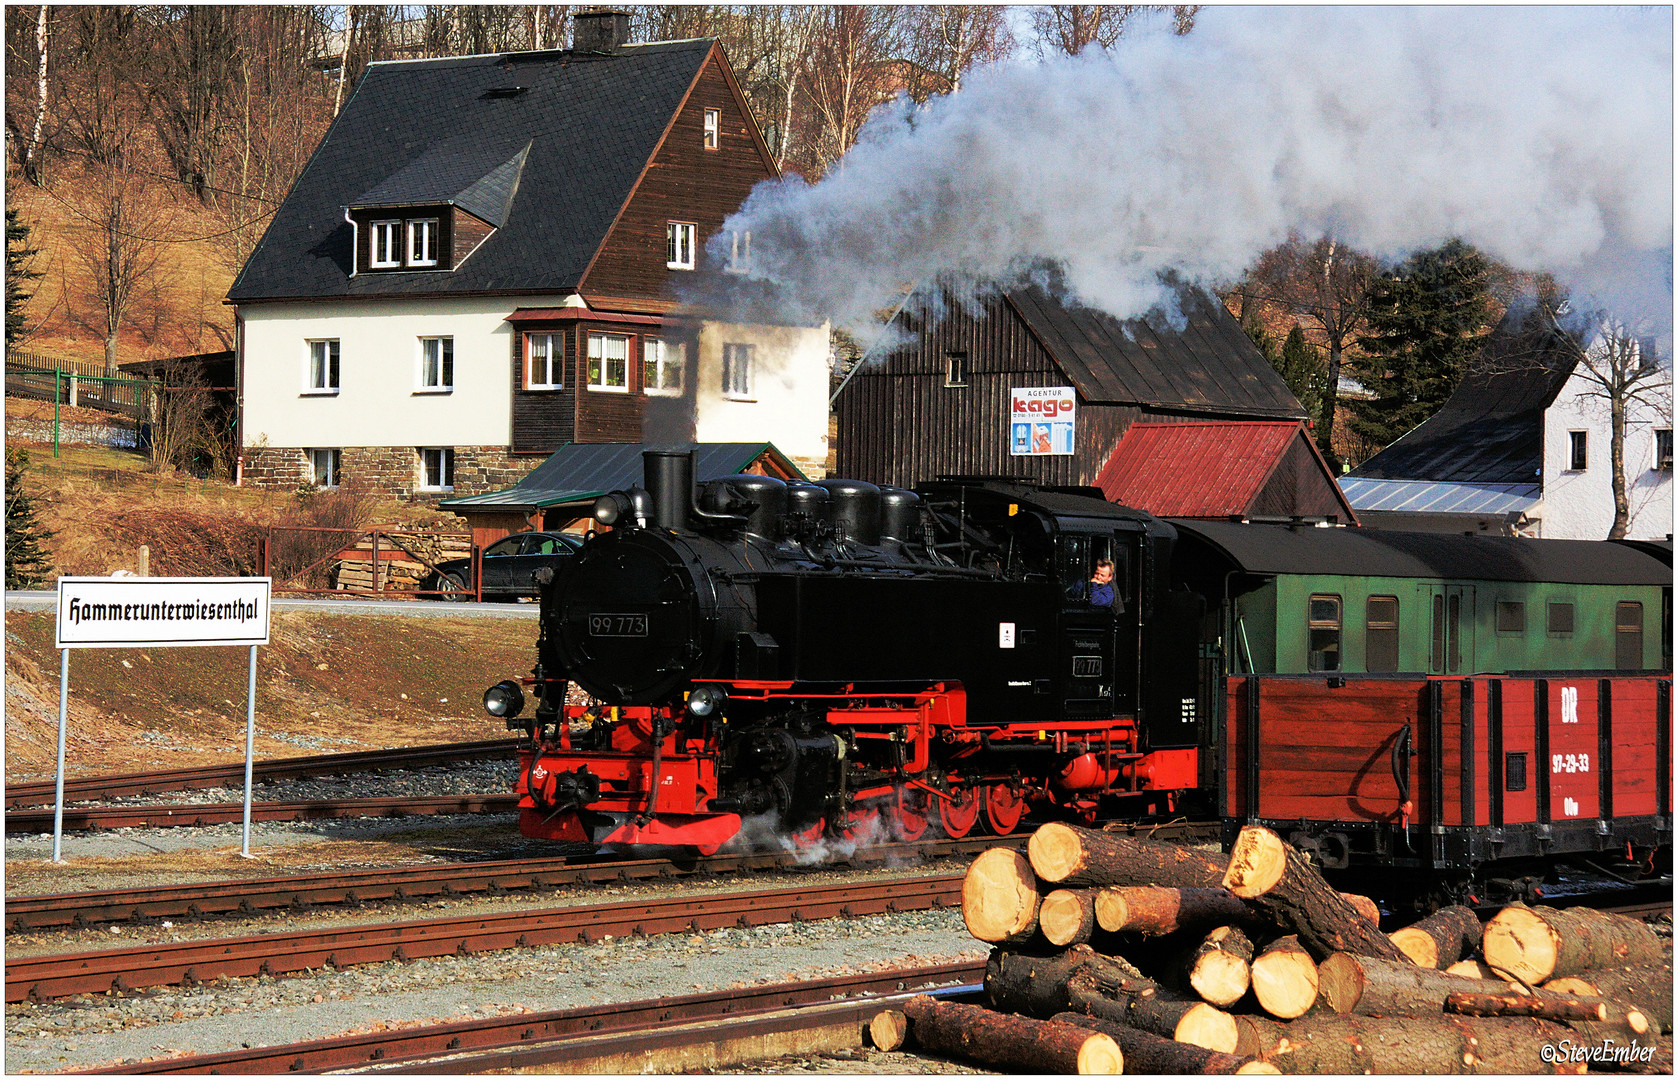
{"x": 1041, "y": 420}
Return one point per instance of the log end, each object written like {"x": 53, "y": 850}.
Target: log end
{"x": 1256, "y": 862}
{"x": 1340, "y": 981}
{"x": 888, "y": 1030}
{"x": 999, "y": 896}
{"x": 1258, "y": 1068}
{"x": 1286, "y": 983}
{"x": 1055, "y": 852}
{"x": 1061, "y": 917}
{"x": 1207, "y": 1027}
{"x": 1518, "y": 940}
{"x": 1220, "y": 978}
{"x": 1100, "y": 1056}
{"x": 1422, "y": 950}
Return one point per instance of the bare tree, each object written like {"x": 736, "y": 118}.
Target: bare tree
{"x": 31, "y": 151}
{"x": 102, "y": 103}
{"x": 945, "y": 40}
{"x": 1623, "y": 370}
{"x": 1070, "y": 28}
{"x": 120, "y": 253}
{"x": 195, "y": 71}
{"x": 846, "y": 72}
{"x": 1325, "y": 284}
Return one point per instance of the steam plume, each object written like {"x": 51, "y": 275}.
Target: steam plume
{"x": 1541, "y": 135}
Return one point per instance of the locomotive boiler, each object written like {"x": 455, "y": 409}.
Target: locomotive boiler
{"x": 840, "y": 659}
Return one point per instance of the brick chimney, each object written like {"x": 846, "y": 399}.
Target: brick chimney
{"x": 601, "y": 31}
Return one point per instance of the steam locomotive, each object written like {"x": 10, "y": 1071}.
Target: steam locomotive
{"x": 843, "y": 660}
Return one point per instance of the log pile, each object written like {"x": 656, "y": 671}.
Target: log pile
{"x": 1118, "y": 954}
{"x": 400, "y": 559}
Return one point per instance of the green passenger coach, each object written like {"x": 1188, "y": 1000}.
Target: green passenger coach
{"x": 1289, "y": 599}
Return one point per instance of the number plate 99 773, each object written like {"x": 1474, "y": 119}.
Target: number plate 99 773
{"x": 617, "y": 625}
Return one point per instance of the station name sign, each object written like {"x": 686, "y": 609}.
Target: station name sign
{"x": 1041, "y": 420}
{"x": 124, "y": 612}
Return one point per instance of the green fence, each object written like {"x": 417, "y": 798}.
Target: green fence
{"x": 80, "y": 383}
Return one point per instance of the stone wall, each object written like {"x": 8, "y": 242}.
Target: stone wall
{"x": 391, "y": 471}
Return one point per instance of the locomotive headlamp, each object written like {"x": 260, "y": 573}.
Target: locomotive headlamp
{"x": 706, "y": 700}
{"x": 608, "y": 509}
{"x": 504, "y": 699}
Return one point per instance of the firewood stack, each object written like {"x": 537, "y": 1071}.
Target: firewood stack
{"x": 1115, "y": 954}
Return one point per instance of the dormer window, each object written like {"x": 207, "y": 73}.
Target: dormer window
{"x": 713, "y": 128}
{"x": 422, "y": 242}
{"x": 384, "y": 240}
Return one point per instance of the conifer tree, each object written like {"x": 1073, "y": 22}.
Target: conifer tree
{"x": 1301, "y": 367}
{"x": 27, "y": 562}
{"x": 1426, "y": 317}
{"x": 18, "y": 256}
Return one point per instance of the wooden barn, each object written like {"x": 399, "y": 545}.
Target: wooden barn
{"x": 941, "y": 403}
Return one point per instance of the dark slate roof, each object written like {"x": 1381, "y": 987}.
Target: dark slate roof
{"x": 1207, "y": 363}
{"x": 1491, "y": 429}
{"x": 419, "y": 128}
{"x": 1280, "y": 549}
{"x": 477, "y": 176}
{"x": 579, "y": 471}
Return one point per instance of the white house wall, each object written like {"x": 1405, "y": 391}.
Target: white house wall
{"x": 379, "y": 401}
{"x": 1579, "y": 505}
{"x": 788, "y": 401}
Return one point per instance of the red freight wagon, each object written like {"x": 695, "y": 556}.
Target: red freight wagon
{"x": 1467, "y": 781}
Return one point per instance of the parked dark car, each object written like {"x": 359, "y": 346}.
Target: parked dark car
{"x": 510, "y": 566}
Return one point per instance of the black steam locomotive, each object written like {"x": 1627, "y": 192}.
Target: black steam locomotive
{"x": 844, "y": 659}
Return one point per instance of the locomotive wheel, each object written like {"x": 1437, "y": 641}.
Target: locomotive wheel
{"x": 805, "y": 839}
{"x": 960, "y": 813}
{"x": 861, "y": 825}
{"x": 909, "y": 811}
{"x": 1003, "y": 809}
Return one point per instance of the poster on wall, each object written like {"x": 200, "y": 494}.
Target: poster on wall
{"x": 1041, "y": 420}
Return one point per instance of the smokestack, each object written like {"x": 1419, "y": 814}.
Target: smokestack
{"x": 601, "y": 31}
{"x": 669, "y": 478}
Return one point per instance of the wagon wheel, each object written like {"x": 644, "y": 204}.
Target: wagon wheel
{"x": 908, "y": 814}
{"x": 1003, "y": 808}
{"x": 960, "y": 812}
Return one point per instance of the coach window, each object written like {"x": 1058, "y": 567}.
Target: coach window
{"x": 1511, "y": 617}
{"x": 1559, "y": 620}
{"x": 1325, "y": 634}
{"x": 1380, "y": 641}
{"x": 1628, "y": 635}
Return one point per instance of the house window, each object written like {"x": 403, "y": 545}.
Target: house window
{"x": 436, "y": 371}
{"x": 437, "y": 468}
{"x": 422, "y": 242}
{"x": 608, "y": 363}
{"x": 661, "y": 367}
{"x": 323, "y": 467}
{"x": 713, "y": 128}
{"x": 739, "y": 251}
{"x": 544, "y": 361}
{"x": 1560, "y": 617}
{"x": 1628, "y": 635}
{"x": 382, "y": 235}
{"x": 323, "y": 366}
{"x": 737, "y": 372}
{"x": 1325, "y": 634}
{"x": 678, "y": 245}
{"x": 1576, "y": 451}
{"x": 955, "y": 369}
{"x": 1511, "y": 617}
{"x": 1380, "y": 641}
{"x": 1663, "y": 449}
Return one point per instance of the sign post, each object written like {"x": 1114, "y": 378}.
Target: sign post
{"x": 1042, "y": 421}
{"x": 133, "y": 612}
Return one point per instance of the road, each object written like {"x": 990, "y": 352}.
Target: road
{"x": 47, "y": 601}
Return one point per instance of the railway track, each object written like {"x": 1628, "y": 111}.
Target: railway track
{"x": 57, "y": 910}
{"x": 89, "y": 788}
{"x": 39, "y": 820}
{"x": 585, "y": 1039}
{"x": 43, "y": 978}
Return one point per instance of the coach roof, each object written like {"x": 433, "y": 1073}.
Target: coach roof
{"x": 1289, "y": 549}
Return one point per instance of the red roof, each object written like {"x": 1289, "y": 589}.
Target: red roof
{"x": 1201, "y": 470}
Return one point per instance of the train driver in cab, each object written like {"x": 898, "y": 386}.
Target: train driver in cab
{"x": 1101, "y": 592}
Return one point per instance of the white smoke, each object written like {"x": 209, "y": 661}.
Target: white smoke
{"x": 1541, "y": 135}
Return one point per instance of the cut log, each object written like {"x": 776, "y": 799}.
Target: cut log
{"x": 1070, "y": 856}
{"x": 1557, "y": 1007}
{"x": 1220, "y": 967}
{"x": 1646, "y": 989}
{"x": 1067, "y": 916}
{"x": 1273, "y": 877}
{"x": 1010, "y": 1042}
{"x": 1354, "y": 1045}
{"x": 1479, "y": 969}
{"x": 1038, "y": 985}
{"x": 1148, "y": 1054}
{"x": 1164, "y": 1014}
{"x": 1441, "y": 939}
{"x": 1543, "y": 943}
{"x": 1155, "y": 909}
{"x": 999, "y": 897}
{"x": 1370, "y": 987}
{"x": 1254, "y": 1034}
{"x": 1364, "y": 906}
{"x": 1285, "y": 979}
{"x": 888, "y": 1029}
